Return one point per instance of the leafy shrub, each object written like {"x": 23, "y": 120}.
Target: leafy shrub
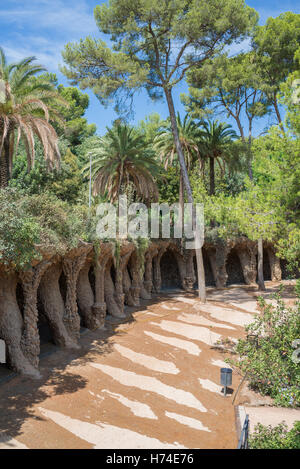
{"x": 28, "y": 222}
{"x": 267, "y": 354}
{"x": 278, "y": 437}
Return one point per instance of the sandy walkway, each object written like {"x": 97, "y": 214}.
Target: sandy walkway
{"x": 149, "y": 383}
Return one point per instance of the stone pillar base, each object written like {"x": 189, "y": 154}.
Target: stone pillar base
{"x": 99, "y": 314}
{"x": 188, "y": 284}
{"x": 135, "y": 291}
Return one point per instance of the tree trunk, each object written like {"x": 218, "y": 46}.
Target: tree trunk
{"x": 250, "y": 172}
{"x": 260, "y": 269}
{"x": 4, "y": 164}
{"x": 278, "y": 114}
{"x": 211, "y": 175}
{"x": 187, "y": 185}
{"x": 181, "y": 203}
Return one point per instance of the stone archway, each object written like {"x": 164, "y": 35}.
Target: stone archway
{"x": 234, "y": 269}
{"x": 45, "y": 332}
{"x": 266, "y": 265}
{"x": 209, "y": 276}
{"x": 170, "y": 275}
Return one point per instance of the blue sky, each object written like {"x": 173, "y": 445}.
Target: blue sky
{"x": 43, "y": 27}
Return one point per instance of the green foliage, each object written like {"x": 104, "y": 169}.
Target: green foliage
{"x": 290, "y": 98}
{"x": 168, "y": 186}
{"x": 33, "y": 223}
{"x": 146, "y": 37}
{"x": 189, "y": 136}
{"x": 278, "y": 437}
{"x": 151, "y": 126}
{"x": 275, "y": 45}
{"x": 26, "y": 114}
{"x": 142, "y": 245}
{"x": 72, "y": 124}
{"x": 276, "y": 168}
{"x": 19, "y": 232}
{"x": 65, "y": 183}
{"x": 289, "y": 247}
{"x": 77, "y": 129}
{"x": 120, "y": 159}
{"x": 266, "y": 356}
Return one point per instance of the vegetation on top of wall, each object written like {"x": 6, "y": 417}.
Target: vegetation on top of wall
{"x": 32, "y": 222}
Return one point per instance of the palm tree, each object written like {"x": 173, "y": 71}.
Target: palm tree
{"x": 25, "y": 113}
{"x": 122, "y": 158}
{"x": 189, "y": 138}
{"x": 215, "y": 139}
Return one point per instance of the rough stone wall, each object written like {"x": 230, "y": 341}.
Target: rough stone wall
{"x": 115, "y": 283}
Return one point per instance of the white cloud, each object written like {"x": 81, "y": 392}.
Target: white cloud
{"x": 42, "y": 28}
{"x": 65, "y": 17}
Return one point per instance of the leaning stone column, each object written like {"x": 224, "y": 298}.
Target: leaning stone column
{"x": 134, "y": 266}
{"x": 190, "y": 278}
{"x": 127, "y": 288}
{"x": 30, "y": 342}
{"x": 248, "y": 262}
{"x": 99, "y": 307}
{"x": 148, "y": 275}
{"x": 11, "y": 325}
{"x": 276, "y": 273}
{"x": 53, "y": 304}
{"x": 113, "y": 307}
{"x": 156, "y": 268}
{"x": 125, "y": 253}
{"x": 220, "y": 265}
{"x": 211, "y": 254}
{"x": 72, "y": 264}
{"x": 85, "y": 298}
{"x": 181, "y": 265}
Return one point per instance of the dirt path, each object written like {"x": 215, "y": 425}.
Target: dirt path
{"x": 152, "y": 382}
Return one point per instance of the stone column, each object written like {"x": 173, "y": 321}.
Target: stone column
{"x": 11, "y": 326}
{"x": 85, "y": 298}
{"x": 190, "y": 277}
{"x": 54, "y": 307}
{"x": 135, "y": 271}
{"x": 127, "y": 288}
{"x": 148, "y": 274}
{"x": 156, "y": 268}
{"x": 72, "y": 264}
{"x": 30, "y": 342}
{"x": 276, "y": 273}
{"x": 247, "y": 256}
{"x": 113, "y": 307}
{"x": 100, "y": 307}
{"x": 220, "y": 265}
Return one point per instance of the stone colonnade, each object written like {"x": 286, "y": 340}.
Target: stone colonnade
{"x": 82, "y": 287}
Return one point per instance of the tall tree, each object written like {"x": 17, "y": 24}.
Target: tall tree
{"x": 275, "y": 45}
{"x": 214, "y": 144}
{"x": 24, "y": 114}
{"x": 122, "y": 157}
{"x": 154, "y": 44}
{"x": 189, "y": 138}
{"x": 75, "y": 127}
{"x": 231, "y": 85}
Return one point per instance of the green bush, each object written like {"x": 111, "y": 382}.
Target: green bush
{"x": 28, "y": 222}
{"x": 267, "y": 355}
{"x": 268, "y": 437}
